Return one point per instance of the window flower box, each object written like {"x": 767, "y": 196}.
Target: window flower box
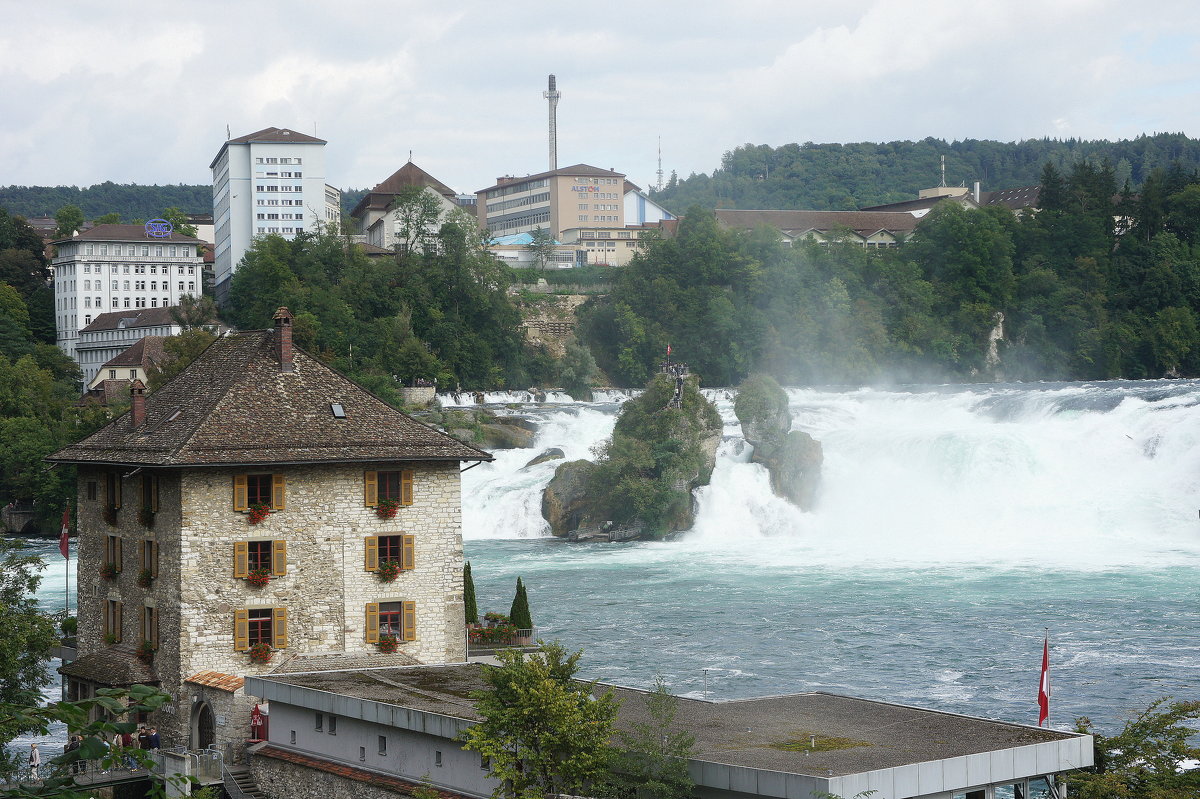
{"x": 387, "y": 644}
{"x": 258, "y": 577}
{"x": 109, "y": 571}
{"x": 145, "y": 651}
{"x": 110, "y": 638}
{"x": 257, "y": 512}
{"x": 389, "y": 570}
{"x": 146, "y": 517}
{"x": 386, "y": 509}
{"x": 110, "y": 515}
{"x": 145, "y": 578}
{"x": 261, "y": 653}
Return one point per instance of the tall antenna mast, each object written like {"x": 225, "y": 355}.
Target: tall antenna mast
{"x": 552, "y": 94}
{"x": 659, "y": 187}
{"x": 943, "y": 170}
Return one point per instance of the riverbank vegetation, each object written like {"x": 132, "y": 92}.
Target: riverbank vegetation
{"x": 1097, "y": 284}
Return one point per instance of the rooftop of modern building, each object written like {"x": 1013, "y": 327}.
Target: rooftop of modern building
{"x": 774, "y": 733}
{"x": 269, "y": 136}
{"x": 578, "y": 170}
{"x": 146, "y": 351}
{"x": 126, "y": 233}
{"x": 865, "y": 222}
{"x": 252, "y": 399}
{"x": 137, "y": 317}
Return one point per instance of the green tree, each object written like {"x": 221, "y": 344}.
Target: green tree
{"x": 470, "y": 606}
{"x": 651, "y": 761}
{"x": 577, "y": 370}
{"x": 542, "y": 731}
{"x": 542, "y": 246}
{"x": 67, "y": 220}
{"x": 263, "y": 282}
{"x": 112, "y": 218}
{"x": 417, "y": 212}
{"x": 1143, "y": 760}
{"x": 179, "y": 221}
{"x": 518, "y": 614}
{"x": 195, "y": 312}
{"x": 28, "y": 636}
{"x": 107, "y": 709}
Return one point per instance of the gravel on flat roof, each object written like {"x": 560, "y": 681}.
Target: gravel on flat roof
{"x": 772, "y": 733}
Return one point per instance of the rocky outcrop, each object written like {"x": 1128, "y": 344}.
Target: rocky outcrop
{"x": 504, "y": 436}
{"x": 792, "y": 458}
{"x": 565, "y": 499}
{"x": 551, "y": 454}
{"x": 483, "y": 428}
{"x": 662, "y": 448}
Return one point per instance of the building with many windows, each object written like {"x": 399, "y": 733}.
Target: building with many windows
{"x": 376, "y": 219}
{"x": 270, "y": 181}
{"x": 579, "y": 196}
{"x": 119, "y": 268}
{"x": 111, "y": 335}
{"x": 261, "y": 512}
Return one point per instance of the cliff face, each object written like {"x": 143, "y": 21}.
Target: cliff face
{"x": 793, "y": 458}
{"x": 641, "y": 486}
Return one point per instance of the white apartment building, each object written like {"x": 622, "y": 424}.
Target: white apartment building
{"x": 119, "y": 268}
{"x": 268, "y": 182}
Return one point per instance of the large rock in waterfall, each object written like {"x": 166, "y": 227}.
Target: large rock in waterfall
{"x": 564, "y": 500}
{"x": 791, "y": 457}
{"x": 664, "y": 445}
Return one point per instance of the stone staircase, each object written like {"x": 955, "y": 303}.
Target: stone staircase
{"x": 239, "y": 784}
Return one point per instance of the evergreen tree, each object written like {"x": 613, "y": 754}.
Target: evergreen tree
{"x": 470, "y": 606}
{"x": 518, "y": 614}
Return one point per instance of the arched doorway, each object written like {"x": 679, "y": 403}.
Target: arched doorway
{"x": 204, "y": 732}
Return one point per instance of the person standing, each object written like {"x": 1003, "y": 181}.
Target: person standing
{"x": 73, "y": 745}
{"x": 35, "y": 762}
{"x": 155, "y": 741}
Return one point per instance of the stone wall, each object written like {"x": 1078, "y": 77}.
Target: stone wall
{"x": 551, "y": 321}
{"x": 325, "y": 591}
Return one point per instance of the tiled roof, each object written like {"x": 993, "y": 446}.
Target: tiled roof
{"x": 372, "y": 778}
{"x": 126, "y": 233}
{"x": 233, "y": 405}
{"x": 116, "y": 665}
{"x": 796, "y": 222}
{"x": 276, "y": 135}
{"x": 147, "y": 317}
{"x": 580, "y": 170}
{"x": 1015, "y": 199}
{"x": 216, "y": 679}
{"x": 146, "y": 351}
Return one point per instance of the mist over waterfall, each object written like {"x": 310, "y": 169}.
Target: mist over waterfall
{"x": 955, "y": 527}
{"x": 1085, "y": 476}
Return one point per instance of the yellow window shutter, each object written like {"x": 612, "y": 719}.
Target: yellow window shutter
{"x": 408, "y": 558}
{"x": 154, "y": 494}
{"x": 106, "y": 627}
{"x": 279, "y": 558}
{"x": 116, "y": 479}
{"x": 372, "y": 622}
{"x": 154, "y": 559}
{"x": 370, "y": 489}
{"x": 154, "y": 627}
{"x": 406, "y": 487}
{"x": 241, "y": 558}
{"x": 279, "y": 631}
{"x": 239, "y": 492}
{"x": 408, "y": 621}
{"x": 142, "y": 625}
{"x": 241, "y": 630}
{"x": 119, "y": 555}
{"x": 371, "y": 547}
{"x": 278, "y": 492}
{"x": 119, "y": 620}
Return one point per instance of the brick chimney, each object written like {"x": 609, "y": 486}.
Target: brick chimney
{"x": 137, "y": 403}
{"x": 283, "y": 339}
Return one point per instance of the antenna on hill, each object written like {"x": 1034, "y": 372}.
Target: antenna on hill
{"x": 659, "y": 186}
{"x": 943, "y": 171}
{"x": 552, "y": 94}
{"x": 410, "y": 156}
{"x": 228, "y": 136}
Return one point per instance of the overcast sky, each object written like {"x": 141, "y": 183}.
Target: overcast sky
{"x": 143, "y": 92}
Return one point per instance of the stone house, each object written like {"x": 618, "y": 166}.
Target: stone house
{"x": 238, "y": 522}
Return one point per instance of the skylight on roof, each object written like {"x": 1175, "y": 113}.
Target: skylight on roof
{"x": 338, "y": 411}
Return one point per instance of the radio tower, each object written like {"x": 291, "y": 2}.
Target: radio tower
{"x": 659, "y": 186}
{"x": 552, "y": 95}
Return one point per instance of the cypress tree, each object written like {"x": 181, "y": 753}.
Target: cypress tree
{"x": 519, "y": 613}
{"x": 472, "y": 610}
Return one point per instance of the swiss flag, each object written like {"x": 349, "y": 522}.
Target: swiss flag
{"x": 63, "y": 544}
{"x": 1044, "y": 686}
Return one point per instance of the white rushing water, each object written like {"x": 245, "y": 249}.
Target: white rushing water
{"x": 955, "y": 527}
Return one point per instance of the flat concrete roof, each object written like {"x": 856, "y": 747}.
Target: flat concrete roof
{"x": 771, "y": 733}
